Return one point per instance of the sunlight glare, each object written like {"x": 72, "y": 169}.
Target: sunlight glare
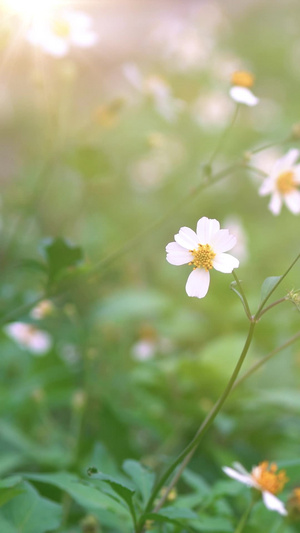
{"x": 31, "y": 8}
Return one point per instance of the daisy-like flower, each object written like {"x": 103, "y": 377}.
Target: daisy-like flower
{"x": 57, "y": 34}
{"x": 28, "y": 337}
{"x": 204, "y": 250}
{"x": 266, "y": 478}
{"x": 241, "y": 81}
{"x": 283, "y": 184}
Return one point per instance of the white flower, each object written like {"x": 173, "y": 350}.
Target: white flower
{"x": 204, "y": 250}
{"x": 28, "y": 337}
{"x": 264, "y": 478}
{"x": 235, "y": 227}
{"x": 240, "y": 91}
{"x": 56, "y": 34}
{"x": 283, "y": 184}
{"x": 157, "y": 88}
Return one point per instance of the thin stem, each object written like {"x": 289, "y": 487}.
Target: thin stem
{"x": 201, "y": 431}
{"x": 270, "y": 145}
{"x": 262, "y": 305}
{"x": 243, "y": 295}
{"x": 266, "y": 309}
{"x": 257, "y": 170}
{"x": 244, "y": 518}
{"x": 264, "y": 359}
{"x": 223, "y": 136}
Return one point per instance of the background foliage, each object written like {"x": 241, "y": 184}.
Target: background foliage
{"x": 88, "y": 165}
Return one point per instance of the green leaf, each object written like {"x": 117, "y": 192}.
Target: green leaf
{"x": 31, "y": 513}
{"x": 9, "y": 488}
{"x": 85, "y": 495}
{"x": 6, "y": 526}
{"x": 173, "y": 515}
{"x": 196, "y": 482}
{"x": 60, "y": 254}
{"x": 268, "y": 285}
{"x": 214, "y": 524}
{"x": 142, "y": 478}
{"x": 122, "y": 489}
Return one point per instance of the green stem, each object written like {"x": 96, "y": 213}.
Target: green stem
{"x": 223, "y": 137}
{"x": 263, "y": 360}
{"x": 244, "y": 518}
{"x": 259, "y": 313}
{"x": 243, "y": 295}
{"x": 266, "y": 309}
{"x": 201, "y": 431}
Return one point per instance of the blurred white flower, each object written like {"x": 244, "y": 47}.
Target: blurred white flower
{"x": 56, "y": 34}
{"x": 264, "y": 478}
{"x": 235, "y": 226}
{"x": 212, "y": 110}
{"x": 204, "y": 250}
{"x": 150, "y": 344}
{"x": 240, "y": 90}
{"x": 283, "y": 184}
{"x": 157, "y": 88}
{"x": 42, "y": 310}
{"x": 28, "y": 337}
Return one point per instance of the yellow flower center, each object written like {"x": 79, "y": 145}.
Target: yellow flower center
{"x": 203, "y": 257}
{"x": 61, "y": 28}
{"x": 242, "y": 78}
{"x": 269, "y": 478}
{"x": 286, "y": 182}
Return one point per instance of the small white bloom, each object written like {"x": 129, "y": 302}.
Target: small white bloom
{"x": 204, "y": 250}
{"x": 242, "y": 95}
{"x": 283, "y": 184}
{"x": 28, "y": 337}
{"x": 157, "y": 88}
{"x": 240, "y": 91}
{"x": 56, "y": 35}
{"x": 264, "y": 478}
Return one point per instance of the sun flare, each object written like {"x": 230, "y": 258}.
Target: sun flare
{"x": 31, "y": 8}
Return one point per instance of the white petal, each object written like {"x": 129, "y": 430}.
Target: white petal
{"x": 292, "y": 201}
{"x": 290, "y": 158}
{"x": 242, "y": 95}
{"x": 176, "y": 255}
{"x": 55, "y": 46}
{"x": 243, "y": 478}
{"x": 198, "y": 283}
{"x": 273, "y": 503}
{"x": 275, "y": 203}
{"x": 133, "y": 75}
{"x": 239, "y": 468}
{"x": 40, "y": 343}
{"x": 266, "y": 187}
{"x": 206, "y": 229}
{"x": 84, "y": 39}
{"x": 223, "y": 241}
{"x": 187, "y": 238}
{"x": 225, "y": 263}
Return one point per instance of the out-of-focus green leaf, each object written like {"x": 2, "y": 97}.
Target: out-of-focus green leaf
{"x": 90, "y": 162}
{"x": 9, "y": 488}
{"x": 30, "y": 513}
{"x": 60, "y": 255}
{"x": 212, "y": 523}
{"x": 268, "y": 285}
